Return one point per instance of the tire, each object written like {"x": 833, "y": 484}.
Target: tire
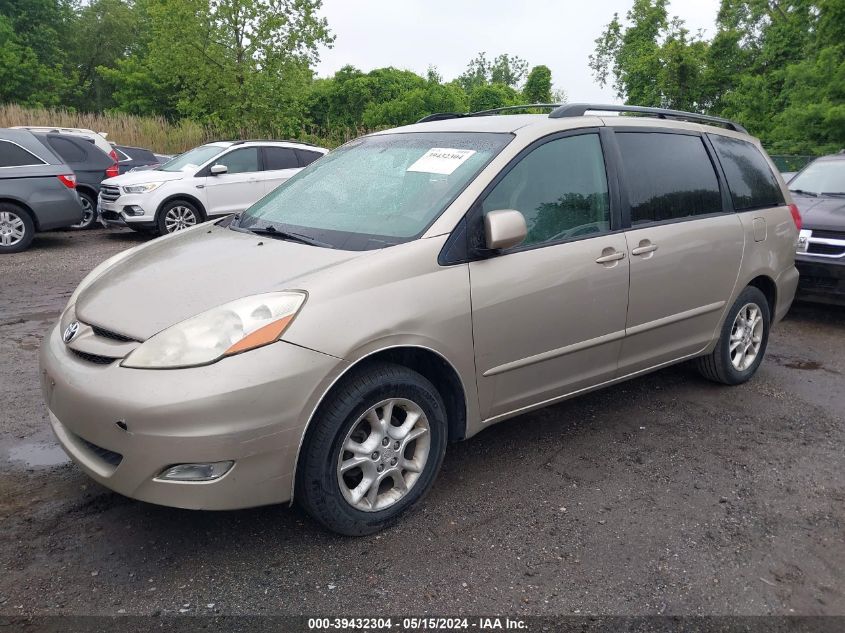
{"x": 16, "y": 228}
{"x": 89, "y": 206}
{"x": 343, "y": 420}
{"x": 177, "y": 215}
{"x": 733, "y": 367}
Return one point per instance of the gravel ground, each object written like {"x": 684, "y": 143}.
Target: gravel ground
{"x": 664, "y": 495}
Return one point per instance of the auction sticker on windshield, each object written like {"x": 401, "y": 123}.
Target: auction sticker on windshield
{"x": 441, "y": 160}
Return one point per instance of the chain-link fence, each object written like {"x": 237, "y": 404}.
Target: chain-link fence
{"x": 791, "y": 163}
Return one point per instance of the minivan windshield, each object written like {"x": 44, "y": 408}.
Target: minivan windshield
{"x": 193, "y": 158}
{"x": 376, "y": 191}
{"x": 821, "y": 177}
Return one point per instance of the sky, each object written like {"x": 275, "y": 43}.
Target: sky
{"x": 411, "y": 34}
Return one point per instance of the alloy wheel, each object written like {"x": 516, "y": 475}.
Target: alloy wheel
{"x": 746, "y": 336}
{"x": 87, "y": 214}
{"x": 383, "y": 454}
{"x": 178, "y": 218}
{"x": 12, "y": 228}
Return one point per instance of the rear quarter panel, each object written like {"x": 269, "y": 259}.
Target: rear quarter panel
{"x": 51, "y": 204}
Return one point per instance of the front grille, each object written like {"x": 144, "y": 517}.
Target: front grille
{"x": 112, "y": 335}
{"x": 829, "y": 235}
{"x": 825, "y": 249}
{"x": 93, "y": 358}
{"x": 109, "y": 193}
{"x": 109, "y": 215}
{"x": 110, "y": 457}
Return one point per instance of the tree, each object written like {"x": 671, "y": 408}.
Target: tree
{"x": 506, "y": 70}
{"x": 538, "y": 86}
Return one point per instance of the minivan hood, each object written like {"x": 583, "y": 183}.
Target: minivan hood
{"x": 170, "y": 280}
{"x": 138, "y": 177}
{"x": 824, "y": 212}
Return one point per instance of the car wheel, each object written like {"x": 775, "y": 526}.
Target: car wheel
{"x": 177, "y": 215}
{"x": 16, "y": 228}
{"x": 373, "y": 451}
{"x": 742, "y": 344}
{"x": 89, "y": 212}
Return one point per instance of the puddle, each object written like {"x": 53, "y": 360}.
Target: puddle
{"x": 38, "y": 455}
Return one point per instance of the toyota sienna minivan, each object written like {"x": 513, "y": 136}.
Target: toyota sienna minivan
{"x": 410, "y": 289}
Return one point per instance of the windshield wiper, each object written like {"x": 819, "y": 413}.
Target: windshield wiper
{"x": 805, "y": 192}
{"x": 832, "y": 193}
{"x": 275, "y": 233}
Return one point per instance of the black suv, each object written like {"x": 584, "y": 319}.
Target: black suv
{"x": 819, "y": 192}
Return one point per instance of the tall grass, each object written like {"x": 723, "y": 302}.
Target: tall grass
{"x": 155, "y": 133}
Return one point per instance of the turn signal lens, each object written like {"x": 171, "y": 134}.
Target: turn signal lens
{"x": 796, "y": 216}
{"x": 196, "y": 472}
{"x": 68, "y": 180}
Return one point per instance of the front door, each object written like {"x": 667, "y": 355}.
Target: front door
{"x": 549, "y": 314}
{"x": 685, "y": 250}
{"x": 239, "y": 187}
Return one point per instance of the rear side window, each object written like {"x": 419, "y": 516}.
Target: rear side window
{"x": 750, "y": 179}
{"x": 13, "y": 155}
{"x": 667, "y": 176}
{"x": 560, "y": 188}
{"x": 280, "y": 158}
{"x": 68, "y": 150}
{"x": 306, "y": 157}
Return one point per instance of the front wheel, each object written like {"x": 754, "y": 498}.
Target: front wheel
{"x": 89, "y": 212}
{"x": 177, "y": 215}
{"x": 742, "y": 344}
{"x": 374, "y": 450}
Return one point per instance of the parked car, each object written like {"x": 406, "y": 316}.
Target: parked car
{"x": 163, "y": 158}
{"x": 412, "y": 288}
{"x": 37, "y": 190}
{"x": 97, "y": 138}
{"x": 129, "y": 158}
{"x": 819, "y": 191}
{"x": 90, "y": 165}
{"x": 208, "y": 181}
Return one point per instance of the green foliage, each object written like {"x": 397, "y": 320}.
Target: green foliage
{"x": 778, "y": 67}
{"x": 538, "y": 86}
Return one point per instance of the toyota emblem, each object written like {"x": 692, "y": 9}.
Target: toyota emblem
{"x": 70, "y": 332}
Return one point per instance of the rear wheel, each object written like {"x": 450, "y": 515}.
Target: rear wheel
{"x": 89, "y": 212}
{"x": 16, "y": 228}
{"x": 177, "y": 215}
{"x": 373, "y": 451}
{"x": 742, "y": 344}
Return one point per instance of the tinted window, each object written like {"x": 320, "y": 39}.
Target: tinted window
{"x": 668, "y": 176}
{"x": 12, "y": 155}
{"x": 240, "y": 161}
{"x": 68, "y": 150}
{"x": 750, "y": 180}
{"x": 306, "y": 157}
{"x": 280, "y": 158}
{"x": 560, "y": 188}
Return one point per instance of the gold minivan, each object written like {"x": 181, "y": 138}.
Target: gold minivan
{"x": 410, "y": 289}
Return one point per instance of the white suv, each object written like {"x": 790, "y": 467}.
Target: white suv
{"x": 211, "y": 180}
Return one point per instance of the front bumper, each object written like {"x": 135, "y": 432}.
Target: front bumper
{"x": 251, "y": 408}
{"x": 822, "y": 279}
{"x": 113, "y": 212}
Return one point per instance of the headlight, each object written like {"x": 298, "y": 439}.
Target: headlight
{"x": 232, "y": 328}
{"x": 144, "y": 188}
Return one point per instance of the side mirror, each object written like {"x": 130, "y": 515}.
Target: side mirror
{"x": 504, "y": 228}
{"x": 216, "y": 170}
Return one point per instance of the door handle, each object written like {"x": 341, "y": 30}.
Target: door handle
{"x": 644, "y": 248}
{"x": 613, "y": 257}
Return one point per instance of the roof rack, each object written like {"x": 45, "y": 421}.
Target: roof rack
{"x": 579, "y": 109}
{"x": 441, "y": 116}
{"x": 268, "y": 140}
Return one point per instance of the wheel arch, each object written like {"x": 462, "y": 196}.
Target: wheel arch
{"x": 91, "y": 191}
{"x": 186, "y": 197}
{"x": 769, "y": 288}
{"x": 23, "y": 206}
{"x": 425, "y": 361}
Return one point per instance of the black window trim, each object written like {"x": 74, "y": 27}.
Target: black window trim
{"x": 39, "y": 164}
{"x": 729, "y": 199}
{"x": 457, "y": 249}
{"x": 724, "y": 193}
